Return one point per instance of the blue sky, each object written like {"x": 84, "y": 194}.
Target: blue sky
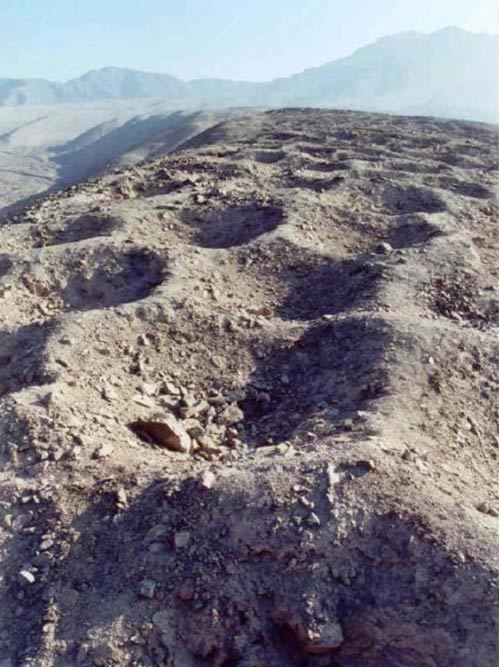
{"x": 248, "y": 39}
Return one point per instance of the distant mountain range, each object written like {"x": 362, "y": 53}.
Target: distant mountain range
{"x": 450, "y": 73}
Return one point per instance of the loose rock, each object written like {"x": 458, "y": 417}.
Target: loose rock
{"x": 165, "y": 431}
{"x": 147, "y": 589}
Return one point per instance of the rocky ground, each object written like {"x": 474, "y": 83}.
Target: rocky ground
{"x": 249, "y": 403}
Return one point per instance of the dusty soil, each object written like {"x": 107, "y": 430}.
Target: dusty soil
{"x": 249, "y": 403}
{"x": 46, "y": 149}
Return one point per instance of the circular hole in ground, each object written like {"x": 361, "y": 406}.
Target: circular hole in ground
{"x": 109, "y": 278}
{"x": 235, "y": 226}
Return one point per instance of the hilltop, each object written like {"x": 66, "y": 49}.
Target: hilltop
{"x": 247, "y": 402}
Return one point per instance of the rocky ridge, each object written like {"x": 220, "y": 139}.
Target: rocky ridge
{"x": 248, "y": 403}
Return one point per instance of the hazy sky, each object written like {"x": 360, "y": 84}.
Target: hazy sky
{"x": 240, "y": 39}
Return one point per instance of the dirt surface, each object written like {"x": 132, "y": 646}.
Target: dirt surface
{"x": 46, "y": 149}
{"x": 249, "y": 403}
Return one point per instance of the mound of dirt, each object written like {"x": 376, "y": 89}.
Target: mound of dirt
{"x": 248, "y": 403}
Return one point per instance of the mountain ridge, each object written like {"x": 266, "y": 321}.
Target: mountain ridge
{"x": 394, "y": 74}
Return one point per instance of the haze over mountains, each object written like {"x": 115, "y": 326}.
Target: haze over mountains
{"x": 450, "y": 73}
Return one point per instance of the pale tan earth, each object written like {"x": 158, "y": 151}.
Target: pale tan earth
{"x": 46, "y": 148}
{"x": 305, "y": 303}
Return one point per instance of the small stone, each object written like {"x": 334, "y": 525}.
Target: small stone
{"x": 367, "y": 464}
{"x": 329, "y": 637}
{"x": 166, "y": 432}
{"x": 66, "y": 340}
{"x": 103, "y": 452}
{"x": 313, "y": 520}
{"x": 147, "y": 589}
{"x": 169, "y": 402}
{"x": 348, "y": 424}
{"x": 232, "y": 414}
{"x": 108, "y": 393}
{"x": 485, "y": 508}
{"x": 26, "y": 577}
{"x": 473, "y": 426}
{"x": 57, "y": 453}
{"x": 143, "y": 340}
{"x": 144, "y": 401}
{"x": 189, "y": 410}
{"x": 207, "y": 480}
{"x": 208, "y": 446}
{"x": 155, "y": 533}
{"x": 383, "y": 249}
{"x": 170, "y": 388}
{"x": 266, "y": 450}
{"x": 181, "y": 539}
{"x": 333, "y": 478}
{"x": 46, "y": 544}
{"x": 216, "y": 398}
{"x": 194, "y": 429}
{"x": 121, "y": 498}
{"x": 148, "y": 389}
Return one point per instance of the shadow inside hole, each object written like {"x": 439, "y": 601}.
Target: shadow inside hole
{"x": 114, "y": 279}
{"x": 328, "y": 167}
{"x": 412, "y": 231}
{"x": 332, "y": 371}
{"x": 270, "y": 157}
{"x": 85, "y": 227}
{"x": 417, "y": 167}
{"x": 6, "y": 265}
{"x": 235, "y": 226}
{"x": 21, "y": 357}
{"x": 328, "y": 287}
{"x": 317, "y": 184}
{"x": 465, "y": 188}
{"x": 411, "y": 199}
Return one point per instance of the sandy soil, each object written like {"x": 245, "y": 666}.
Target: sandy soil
{"x": 249, "y": 403}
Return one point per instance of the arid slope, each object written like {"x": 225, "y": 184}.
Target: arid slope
{"x": 305, "y": 303}
{"x": 45, "y": 149}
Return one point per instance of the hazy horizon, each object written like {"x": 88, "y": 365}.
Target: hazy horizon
{"x": 256, "y": 43}
{"x": 109, "y": 66}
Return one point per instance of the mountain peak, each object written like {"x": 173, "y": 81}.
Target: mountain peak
{"x": 447, "y": 72}
{"x": 453, "y": 30}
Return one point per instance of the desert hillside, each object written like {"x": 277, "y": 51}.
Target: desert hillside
{"x": 47, "y": 148}
{"x": 248, "y": 406}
